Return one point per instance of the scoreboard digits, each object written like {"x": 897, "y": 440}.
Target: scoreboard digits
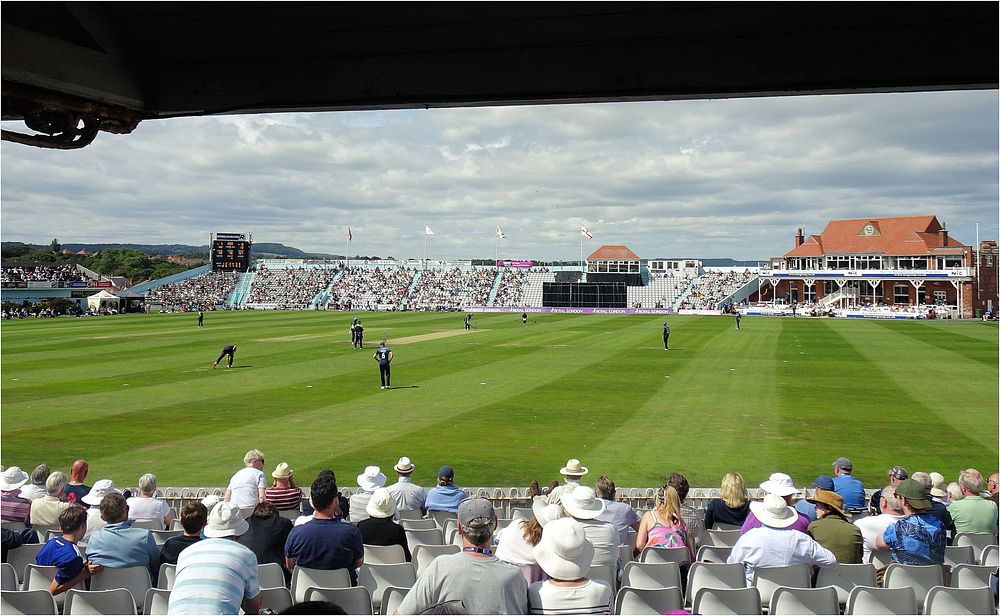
{"x": 230, "y": 252}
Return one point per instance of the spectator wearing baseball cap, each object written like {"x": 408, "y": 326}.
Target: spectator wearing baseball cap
{"x": 409, "y": 496}
{"x": 896, "y": 474}
{"x": 445, "y": 496}
{"x": 474, "y": 581}
{"x": 919, "y": 538}
{"x": 778, "y": 484}
{"x": 833, "y": 530}
{"x": 805, "y": 506}
{"x": 849, "y": 488}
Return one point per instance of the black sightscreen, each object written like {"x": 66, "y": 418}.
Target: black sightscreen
{"x": 584, "y": 294}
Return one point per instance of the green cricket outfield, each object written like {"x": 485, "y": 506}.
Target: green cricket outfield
{"x": 503, "y": 404}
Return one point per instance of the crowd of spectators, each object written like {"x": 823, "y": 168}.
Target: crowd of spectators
{"x": 361, "y": 288}
{"x": 710, "y": 289}
{"x": 450, "y": 289}
{"x": 565, "y": 554}
{"x": 510, "y": 290}
{"x": 289, "y": 288}
{"x": 42, "y": 273}
{"x": 203, "y": 292}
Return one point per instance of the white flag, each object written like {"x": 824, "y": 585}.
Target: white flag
{"x": 500, "y": 233}
{"x": 588, "y": 234}
{"x": 427, "y": 230}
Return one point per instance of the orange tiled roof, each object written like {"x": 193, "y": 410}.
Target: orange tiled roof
{"x": 898, "y": 236}
{"x": 610, "y": 252}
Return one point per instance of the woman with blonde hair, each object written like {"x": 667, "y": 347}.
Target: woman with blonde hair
{"x": 663, "y": 526}
{"x": 733, "y": 505}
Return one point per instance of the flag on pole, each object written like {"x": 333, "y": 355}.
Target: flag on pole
{"x": 427, "y": 230}
{"x": 500, "y": 233}
{"x": 349, "y": 236}
{"x": 587, "y": 234}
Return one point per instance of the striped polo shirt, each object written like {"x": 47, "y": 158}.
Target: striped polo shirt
{"x": 213, "y": 577}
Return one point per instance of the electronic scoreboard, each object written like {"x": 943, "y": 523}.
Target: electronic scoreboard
{"x": 230, "y": 252}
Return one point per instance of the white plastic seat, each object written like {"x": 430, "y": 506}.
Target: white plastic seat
{"x": 990, "y": 556}
{"x": 451, "y": 524}
{"x": 522, "y": 513}
{"x": 653, "y": 554}
{"x": 607, "y": 572}
{"x": 27, "y": 602}
{"x": 651, "y": 575}
{"x": 710, "y": 600}
{"x": 134, "y": 579}
{"x": 8, "y": 577}
{"x": 376, "y": 578}
{"x": 115, "y": 601}
{"x": 768, "y": 579}
{"x": 971, "y": 576}
{"x": 431, "y": 536}
{"x": 166, "y": 576}
{"x": 39, "y": 577}
{"x": 270, "y": 575}
{"x": 649, "y": 601}
{"x": 440, "y": 517}
{"x": 410, "y": 514}
{"x": 945, "y": 600}
{"x": 289, "y": 514}
{"x": 277, "y": 599}
{"x": 417, "y": 524}
{"x": 979, "y": 541}
{"x": 391, "y": 598}
{"x": 356, "y": 600}
{"x": 384, "y": 554}
{"x": 960, "y": 555}
{"x": 161, "y": 536}
{"x": 304, "y": 577}
{"x": 868, "y": 600}
{"x": 921, "y": 578}
{"x": 714, "y": 553}
{"x": 715, "y": 575}
{"x": 880, "y": 558}
{"x": 148, "y": 523}
{"x": 23, "y": 556}
{"x": 422, "y": 555}
{"x": 625, "y": 555}
{"x": 156, "y": 602}
{"x": 714, "y": 536}
{"x": 790, "y": 601}
{"x": 844, "y": 577}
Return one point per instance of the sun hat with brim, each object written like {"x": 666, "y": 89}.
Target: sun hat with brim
{"x": 573, "y": 468}
{"x": 371, "y": 479}
{"x": 544, "y": 512}
{"x": 774, "y": 512}
{"x": 211, "y": 501}
{"x": 101, "y": 489}
{"x": 779, "y": 484}
{"x": 939, "y": 486}
{"x": 382, "y": 504}
{"x": 403, "y": 466}
{"x": 281, "y": 471}
{"x": 225, "y": 521}
{"x": 13, "y": 478}
{"x": 914, "y": 492}
{"x": 830, "y": 498}
{"x": 582, "y": 503}
{"x": 564, "y": 553}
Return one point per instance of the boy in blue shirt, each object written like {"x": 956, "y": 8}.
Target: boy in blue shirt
{"x": 62, "y": 553}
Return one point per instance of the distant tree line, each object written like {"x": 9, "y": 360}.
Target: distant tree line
{"x": 134, "y": 265}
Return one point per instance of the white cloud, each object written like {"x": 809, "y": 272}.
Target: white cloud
{"x": 727, "y": 178}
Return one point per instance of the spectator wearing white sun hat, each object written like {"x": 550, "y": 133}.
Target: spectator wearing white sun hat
{"x": 572, "y": 473}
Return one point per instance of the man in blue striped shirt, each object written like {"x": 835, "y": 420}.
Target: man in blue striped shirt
{"x": 217, "y": 575}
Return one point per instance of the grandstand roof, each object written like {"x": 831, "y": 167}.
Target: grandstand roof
{"x": 898, "y": 236}
{"x": 609, "y": 252}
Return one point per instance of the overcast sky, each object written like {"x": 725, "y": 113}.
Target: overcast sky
{"x": 726, "y": 178}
